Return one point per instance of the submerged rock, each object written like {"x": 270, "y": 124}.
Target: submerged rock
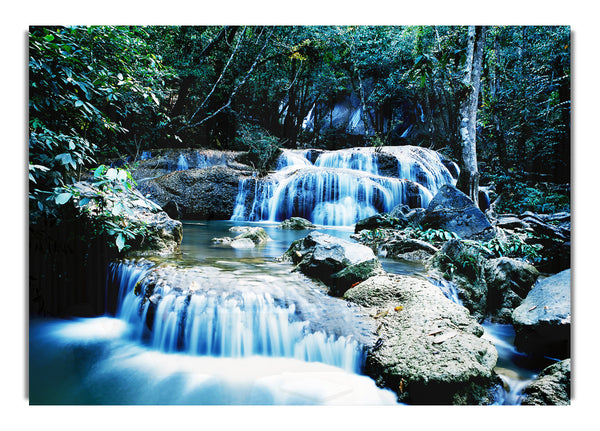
{"x": 248, "y": 237}
{"x": 334, "y": 261}
{"x": 543, "y": 321}
{"x": 552, "y": 386}
{"x": 429, "y": 350}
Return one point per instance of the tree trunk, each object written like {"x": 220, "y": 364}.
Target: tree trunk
{"x": 468, "y": 180}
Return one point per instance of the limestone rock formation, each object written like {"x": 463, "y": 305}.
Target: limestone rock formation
{"x": 429, "y": 350}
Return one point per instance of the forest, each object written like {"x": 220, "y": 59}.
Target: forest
{"x": 103, "y": 92}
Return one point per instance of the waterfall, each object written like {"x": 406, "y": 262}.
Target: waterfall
{"x": 448, "y": 288}
{"x": 342, "y": 186}
{"x": 221, "y": 319}
{"x": 182, "y": 163}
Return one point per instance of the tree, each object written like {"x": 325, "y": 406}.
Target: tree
{"x": 468, "y": 180}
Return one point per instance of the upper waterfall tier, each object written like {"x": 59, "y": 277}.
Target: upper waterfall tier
{"x": 341, "y": 187}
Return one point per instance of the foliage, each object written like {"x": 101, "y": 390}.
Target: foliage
{"x": 518, "y": 195}
{"x": 433, "y": 236}
{"x": 262, "y": 147}
{"x": 111, "y": 213}
{"x": 87, "y": 85}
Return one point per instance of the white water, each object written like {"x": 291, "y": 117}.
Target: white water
{"x": 341, "y": 187}
{"x": 92, "y": 361}
{"x": 225, "y": 315}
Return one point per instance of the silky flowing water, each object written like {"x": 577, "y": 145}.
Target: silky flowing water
{"x": 255, "y": 333}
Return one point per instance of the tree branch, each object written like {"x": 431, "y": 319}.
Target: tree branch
{"x": 234, "y": 92}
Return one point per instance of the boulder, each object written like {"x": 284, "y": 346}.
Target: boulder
{"x": 380, "y": 221}
{"x": 248, "y": 237}
{"x": 543, "y": 321}
{"x": 508, "y": 283}
{"x": 452, "y": 210}
{"x": 205, "y": 194}
{"x": 551, "y": 388}
{"x": 334, "y": 261}
{"x": 297, "y": 223}
{"x": 257, "y": 235}
{"x": 491, "y": 288}
{"x": 428, "y": 349}
{"x": 164, "y": 234}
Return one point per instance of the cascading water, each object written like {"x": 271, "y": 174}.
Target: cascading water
{"x": 182, "y": 163}
{"x": 343, "y": 186}
{"x": 221, "y": 315}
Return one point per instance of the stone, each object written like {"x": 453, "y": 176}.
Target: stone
{"x": 334, "y": 261}
{"x": 297, "y": 223}
{"x": 508, "y": 283}
{"x": 255, "y": 234}
{"x": 452, "y": 210}
{"x": 552, "y": 386}
{"x": 164, "y": 234}
{"x": 543, "y": 320}
{"x": 203, "y": 194}
{"x": 428, "y": 349}
{"x": 380, "y": 221}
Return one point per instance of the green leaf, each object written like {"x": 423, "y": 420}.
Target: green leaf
{"x": 63, "y": 198}
{"x": 120, "y": 241}
{"x": 99, "y": 171}
{"x": 78, "y": 103}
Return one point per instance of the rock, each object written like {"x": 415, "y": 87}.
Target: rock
{"x": 380, "y": 221}
{"x": 172, "y": 209}
{"x": 334, "y": 261}
{"x": 164, "y": 234}
{"x": 205, "y": 194}
{"x": 249, "y": 237}
{"x": 452, "y": 210}
{"x": 552, "y": 386}
{"x": 257, "y": 235}
{"x": 428, "y": 349}
{"x": 400, "y": 247}
{"x": 543, "y": 321}
{"x": 491, "y": 288}
{"x": 508, "y": 283}
{"x": 297, "y": 223}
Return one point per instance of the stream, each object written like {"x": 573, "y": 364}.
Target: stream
{"x": 258, "y": 334}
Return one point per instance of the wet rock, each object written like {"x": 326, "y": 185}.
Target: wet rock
{"x": 334, "y": 261}
{"x": 297, "y": 223}
{"x": 491, "y": 288}
{"x": 552, "y": 386}
{"x": 380, "y": 221}
{"x": 257, "y": 235}
{"x": 204, "y": 194}
{"x": 543, "y": 321}
{"x": 452, "y": 210}
{"x": 508, "y": 283}
{"x": 429, "y": 350}
{"x": 248, "y": 237}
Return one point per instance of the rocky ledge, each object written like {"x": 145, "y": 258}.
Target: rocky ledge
{"x": 426, "y": 348}
{"x": 429, "y": 350}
